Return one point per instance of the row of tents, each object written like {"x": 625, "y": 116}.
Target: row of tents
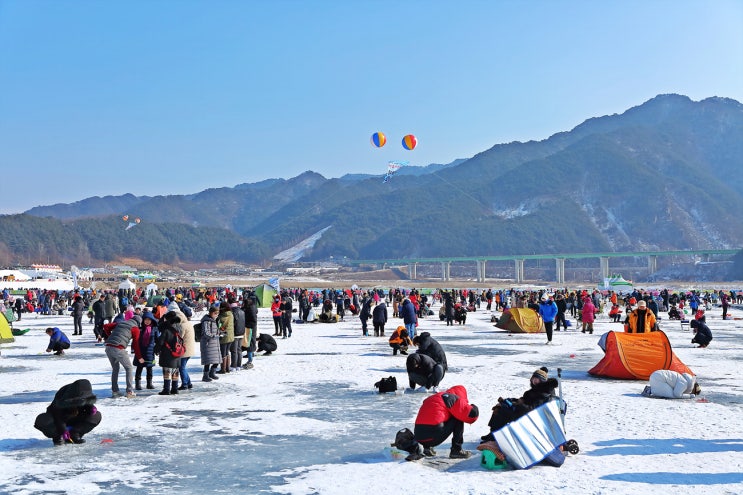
{"x": 628, "y": 356}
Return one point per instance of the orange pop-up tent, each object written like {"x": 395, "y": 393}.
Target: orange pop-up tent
{"x": 634, "y": 356}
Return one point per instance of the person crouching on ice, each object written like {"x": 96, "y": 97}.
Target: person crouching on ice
{"x": 542, "y": 390}
{"x": 423, "y": 371}
{"x": 58, "y": 341}
{"x": 702, "y": 333}
{"x": 441, "y": 415}
{"x": 400, "y": 341}
{"x": 71, "y": 414}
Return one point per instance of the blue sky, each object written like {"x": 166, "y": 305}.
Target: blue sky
{"x": 170, "y": 97}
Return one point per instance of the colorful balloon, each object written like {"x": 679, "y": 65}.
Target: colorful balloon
{"x": 409, "y": 142}
{"x": 378, "y": 139}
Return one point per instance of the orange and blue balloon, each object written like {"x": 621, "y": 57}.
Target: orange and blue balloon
{"x": 409, "y": 142}
{"x": 378, "y": 139}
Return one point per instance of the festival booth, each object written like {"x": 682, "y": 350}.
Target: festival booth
{"x": 150, "y": 289}
{"x": 127, "y": 284}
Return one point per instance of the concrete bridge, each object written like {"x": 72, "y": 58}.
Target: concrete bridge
{"x": 519, "y": 260}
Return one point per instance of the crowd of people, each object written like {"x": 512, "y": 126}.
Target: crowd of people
{"x": 141, "y": 331}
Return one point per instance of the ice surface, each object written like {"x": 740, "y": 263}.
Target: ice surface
{"x": 306, "y": 420}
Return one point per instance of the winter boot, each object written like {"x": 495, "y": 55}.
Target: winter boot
{"x": 76, "y": 437}
{"x": 459, "y": 453}
{"x": 137, "y": 384}
{"x": 149, "y": 379}
{"x": 213, "y": 373}
{"x": 174, "y": 387}
{"x": 166, "y": 388}
{"x": 206, "y": 378}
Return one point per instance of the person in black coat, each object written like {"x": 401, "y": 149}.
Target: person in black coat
{"x": 423, "y": 371}
{"x": 238, "y": 317}
{"x": 702, "y": 333}
{"x": 266, "y": 343}
{"x": 170, "y": 330}
{"x": 562, "y": 307}
{"x": 379, "y": 318}
{"x": 287, "y": 307}
{"x": 71, "y": 414}
{"x": 250, "y": 307}
{"x": 429, "y": 346}
{"x": 78, "y": 308}
{"x": 99, "y": 309}
{"x": 448, "y": 309}
{"x": 542, "y": 390}
{"x": 365, "y": 314}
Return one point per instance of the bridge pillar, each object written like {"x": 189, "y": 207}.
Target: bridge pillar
{"x": 652, "y": 264}
{"x": 560, "y": 270}
{"x": 519, "y": 270}
{"x": 412, "y": 271}
{"x": 604, "y": 267}
{"x": 481, "y": 270}
{"x": 444, "y": 270}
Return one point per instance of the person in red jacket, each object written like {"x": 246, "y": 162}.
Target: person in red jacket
{"x": 441, "y": 415}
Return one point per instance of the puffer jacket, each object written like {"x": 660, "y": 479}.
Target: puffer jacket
{"x": 209, "y": 343}
{"x": 430, "y": 347}
{"x": 121, "y": 334}
{"x": 439, "y": 407}
{"x": 227, "y": 326}
{"x": 167, "y": 336}
{"x": 671, "y": 384}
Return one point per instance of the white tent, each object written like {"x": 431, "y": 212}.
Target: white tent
{"x": 151, "y": 288}
{"x": 127, "y": 285}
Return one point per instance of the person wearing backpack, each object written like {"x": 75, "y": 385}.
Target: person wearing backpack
{"x": 170, "y": 349}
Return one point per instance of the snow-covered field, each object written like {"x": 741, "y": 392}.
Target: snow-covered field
{"x": 306, "y": 420}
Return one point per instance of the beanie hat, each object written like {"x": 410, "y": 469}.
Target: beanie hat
{"x": 541, "y": 373}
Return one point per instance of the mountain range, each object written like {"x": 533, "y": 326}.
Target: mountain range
{"x": 662, "y": 175}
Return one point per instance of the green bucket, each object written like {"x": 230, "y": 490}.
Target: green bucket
{"x": 489, "y": 461}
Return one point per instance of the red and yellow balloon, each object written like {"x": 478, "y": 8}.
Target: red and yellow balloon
{"x": 409, "y": 142}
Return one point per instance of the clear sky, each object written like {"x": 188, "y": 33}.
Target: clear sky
{"x": 176, "y": 96}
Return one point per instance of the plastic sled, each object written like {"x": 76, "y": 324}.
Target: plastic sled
{"x": 534, "y": 437}
{"x": 488, "y": 460}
